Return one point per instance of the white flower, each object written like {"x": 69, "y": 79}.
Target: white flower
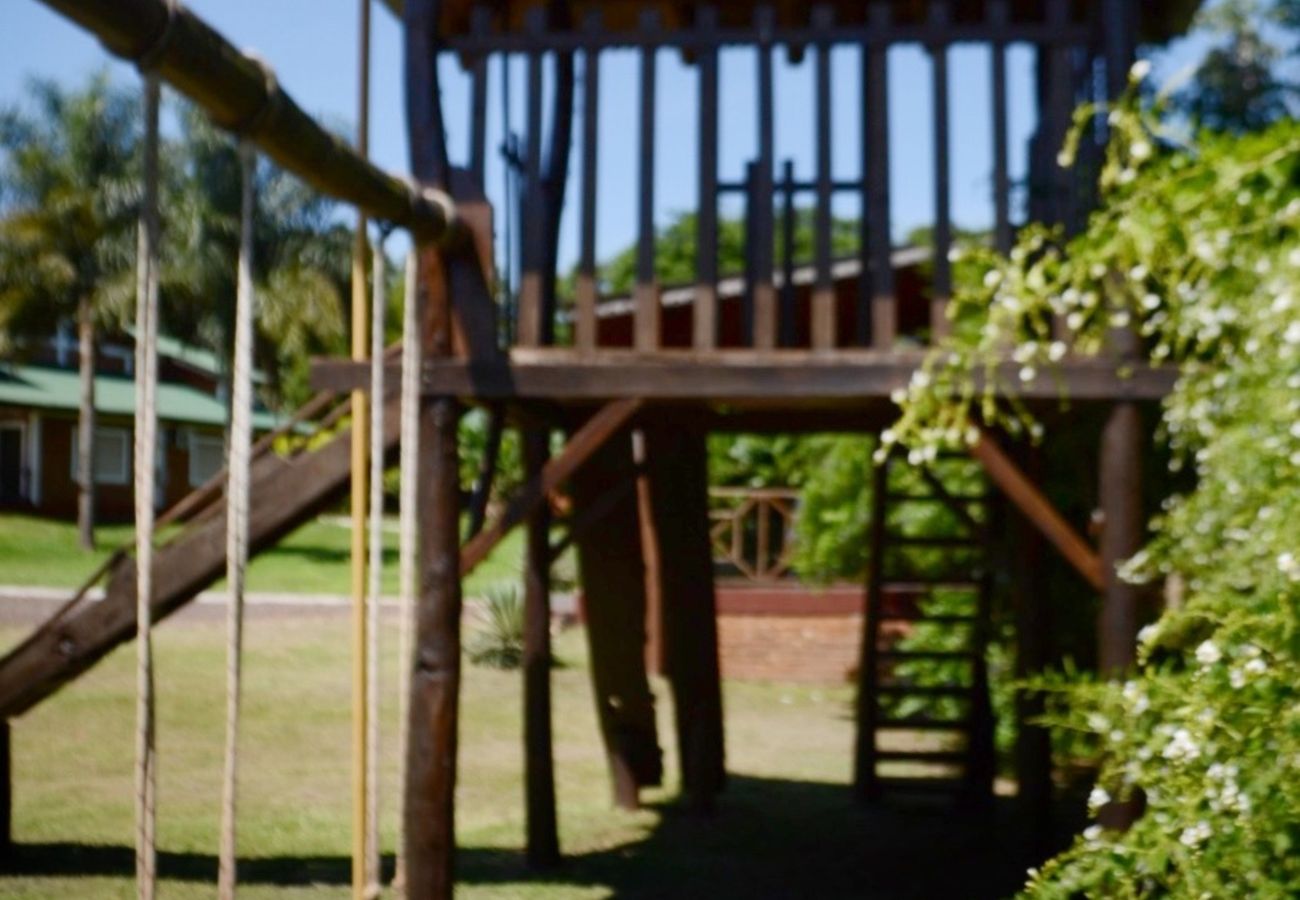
{"x": 1141, "y": 151}
{"x": 898, "y": 396}
{"x": 992, "y": 278}
{"x": 1140, "y": 70}
{"x": 1098, "y": 798}
{"x": 1147, "y": 634}
{"x": 1289, "y": 565}
{"x": 1292, "y": 335}
{"x": 1056, "y": 352}
{"x": 1256, "y": 667}
{"x": 1151, "y": 302}
{"x": 1028, "y": 373}
{"x": 1237, "y": 678}
{"x": 1195, "y": 835}
{"x": 1208, "y": 653}
{"x": 1092, "y": 833}
{"x": 1181, "y": 746}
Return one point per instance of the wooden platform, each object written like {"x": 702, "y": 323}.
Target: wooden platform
{"x": 816, "y": 389}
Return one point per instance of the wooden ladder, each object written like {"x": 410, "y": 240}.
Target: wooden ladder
{"x": 927, "y": 723}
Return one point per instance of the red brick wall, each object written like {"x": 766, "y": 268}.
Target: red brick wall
{"x": 808, "y": 649}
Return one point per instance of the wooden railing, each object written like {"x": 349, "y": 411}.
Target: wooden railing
{"x": 753, "y": 532}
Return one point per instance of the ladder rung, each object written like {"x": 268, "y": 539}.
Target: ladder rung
{"x": 924, "y": 690}
{"x": 923, "y": 724}
{"x": 933, "y": 756}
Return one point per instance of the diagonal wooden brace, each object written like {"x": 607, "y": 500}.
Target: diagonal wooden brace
{"x": 589, "y": 438}
{"x": 1039, "y": 510}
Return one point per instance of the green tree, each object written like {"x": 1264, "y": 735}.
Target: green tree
{"x": 301, "y": 259}
{"x": 68, "y": 208}
{"x": 1238, "y": 86}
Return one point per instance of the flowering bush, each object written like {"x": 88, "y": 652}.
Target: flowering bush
{"x": 1193, "y": 245}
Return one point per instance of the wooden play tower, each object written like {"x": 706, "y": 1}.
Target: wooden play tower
{"x": 757, "y": 357}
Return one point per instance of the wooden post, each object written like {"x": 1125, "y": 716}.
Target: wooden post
{"x": 1025, "y": 559}
{"x": 1120, "y": 489}
{"x": 612, "y": 573}
{"x": 765, "y": 331}
{"x": 543, "y": 849}
{"x": 822, "y": 326}
{"x": 1002, "y": 236}
{"x": 706, "y": 265}
{"x": 677, "y": 460}
{"x": 646, "y": 317}
{"x": 942, "y": 288}
{"x": 878, "y": 272}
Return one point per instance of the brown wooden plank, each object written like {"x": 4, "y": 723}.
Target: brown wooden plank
{"x": 823, "y": 325}
{"x": 1031, "y": 502}
{"x": 588, "y": 439}
{"x": 532, "y": 327}
{"x": 765, "y": 306}
{"x": 706, "y": 266}
{"x": 866, "y": 778}
{"x": 877, "y": 219}
{"x": 480, "y": 22}
{"x": 942, "y": 288}
{"x": 788, "y": 378}
{"x": 612, "y": 572}
{"x": 677, "y": 464}
{"x": 646, "y": 324}
{"x": 1002, "y": 237}
{"x": 584, "y": 336}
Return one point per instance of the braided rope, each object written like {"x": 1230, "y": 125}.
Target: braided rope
{"x": 375, "y": 568}
{"x": 237, "y": 518}
{"x": 146, "y": 443}
{"x": 408, "y": 552}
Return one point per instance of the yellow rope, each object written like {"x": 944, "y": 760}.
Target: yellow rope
{"x": 146, "y": 442}
{"x": 237, "y": 519}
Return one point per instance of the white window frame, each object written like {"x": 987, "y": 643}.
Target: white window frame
{"x": 195, "y": 438}
{"x": 118, "y": 475}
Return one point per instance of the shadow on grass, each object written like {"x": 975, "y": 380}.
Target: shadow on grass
{"x": 769, "y": 839}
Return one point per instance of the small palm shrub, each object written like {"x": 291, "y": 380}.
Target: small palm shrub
{"x": 498, "y": 641}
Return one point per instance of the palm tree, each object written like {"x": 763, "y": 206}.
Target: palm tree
{"x": 68, "y": 206}
{"x": 300, "y": 265}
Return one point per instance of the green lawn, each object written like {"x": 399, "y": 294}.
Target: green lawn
{"x": 312, "y": 560}
{"x": 785, "y": 828}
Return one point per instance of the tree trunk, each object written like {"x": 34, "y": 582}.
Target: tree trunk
{"x": 86, "y": 426}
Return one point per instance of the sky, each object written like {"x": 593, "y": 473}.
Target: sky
{"x": 312, "y": 46}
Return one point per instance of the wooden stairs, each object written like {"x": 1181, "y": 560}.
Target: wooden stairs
{"x": 286, "y": 492}
{"x": 927, "y": 724}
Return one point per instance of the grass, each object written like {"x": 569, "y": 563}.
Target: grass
{"x": 785, "y": 828}
{"x": 312, "y": 560}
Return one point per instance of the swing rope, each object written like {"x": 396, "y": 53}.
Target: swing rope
{"x": 375, "y": 568}
{"x": 146, "y": 441}
{"x": 408, "y": 552}
{"x": 237, "y": 518}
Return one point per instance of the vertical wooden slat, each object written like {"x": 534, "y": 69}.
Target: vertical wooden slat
{"x": 786, "y": 321}
{"x": 823, "y": 325}
{"x": 543, "y": 844}
{"x": 706, "y": 266}
{"x": 879, "y": 271}
{"x": 1002, "y": 237}
{"x": 1119, "y": 17}
{"x": 646, "y": 323}
{"x": 939, "y": 325}
{"x": 585, "y": 326}
{"x": 1061, "y": 101}
{"x": 480, "y": 19}
{"x": 765, "y": 300}
{"x": 533, "y": 329}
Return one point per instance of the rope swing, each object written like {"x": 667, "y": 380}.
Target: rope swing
{"x": 379, "y": 309}
{"x": 237, "y": 517}
{"x": 146, "y": 442}
{"x": 408, "y": 552}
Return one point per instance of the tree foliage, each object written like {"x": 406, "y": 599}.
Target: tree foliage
{"x": 1196, "y": 245}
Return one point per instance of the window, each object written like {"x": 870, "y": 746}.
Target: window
{"x": 207, "y": 456}
{"x": 112, "y": 455}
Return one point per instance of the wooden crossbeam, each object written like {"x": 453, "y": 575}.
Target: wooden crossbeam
{"x": 1035, "y": 507}
{"x": 588, "y": 439}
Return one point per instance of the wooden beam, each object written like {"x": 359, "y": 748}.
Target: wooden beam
{"x": 241, "y": 94}
{"x": 611, "y": 570}
{"x": 878, "y": 269}
{"x": 543, "y": 842}
{"x": 677, "y": 463}
{"x": 823, "y": 325}
{"x": 585, "y": 335}
{"x": 942, "y": 287}
{"x": 646, "y": 326}
{"x": 1035, "y": 507}
{"x": 590, "y": 438}
{"x": 706, "y": 265}
{"x": 738, "y": 376}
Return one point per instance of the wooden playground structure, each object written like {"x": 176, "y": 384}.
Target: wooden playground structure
{"x": 635, "y": 417}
